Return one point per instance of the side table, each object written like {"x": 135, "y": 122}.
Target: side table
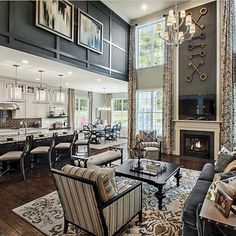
{"x": 210, "y": 214}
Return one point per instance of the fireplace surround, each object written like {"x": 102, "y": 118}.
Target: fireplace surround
{"x": 198, "y": 144}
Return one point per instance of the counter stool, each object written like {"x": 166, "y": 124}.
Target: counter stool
{"x": 62, "y": 148}
{"x": 16, "y": 156}
{"x": 39, "y": 151}
{"x": 82, "y": 143}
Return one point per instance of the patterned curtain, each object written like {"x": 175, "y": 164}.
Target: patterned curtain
{"x": 227, "y": 79}
{"x": 109, "y": 99}
{"x": 71, "y": 108}
{"x": 132, "y": 91}
{"x": 90, "y": 99}
{"x": 168, "y": 128}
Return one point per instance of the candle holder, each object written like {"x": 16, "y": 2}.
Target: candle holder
{"x": 139, "y": 153}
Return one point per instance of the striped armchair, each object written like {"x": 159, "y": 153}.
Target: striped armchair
{"x": 82, "y": 197}
{"x": 148, "y": 140}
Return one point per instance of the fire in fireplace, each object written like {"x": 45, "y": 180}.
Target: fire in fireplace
{"x": 197, "y": 144}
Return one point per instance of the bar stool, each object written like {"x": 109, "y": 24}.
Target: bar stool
{"x": 16, "y": 156}
{"x": 40, "y": 151}
{"x": 82, "y": 143}
{"x": 62, "y": 148}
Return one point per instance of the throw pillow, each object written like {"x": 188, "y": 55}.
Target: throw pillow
{"x": 109, "y": 171}
{"x": 224, "y": 150}
{"x": 230, "y": 167}
{"x": 211, "y": 193}
{"x": 228, "y": 188}
{"x": 223, "y": 161}
{"x": 103, "y": 182}
{"x": 148, "y": 136}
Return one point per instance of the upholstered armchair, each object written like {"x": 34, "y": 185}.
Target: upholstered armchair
{"x": 148, "y": 140}
{"x": 89, "y": 202}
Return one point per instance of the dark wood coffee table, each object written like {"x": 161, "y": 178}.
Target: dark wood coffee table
{"x": 158, "y": 181}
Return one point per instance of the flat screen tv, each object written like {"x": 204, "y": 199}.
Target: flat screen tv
{"x": 202, "y": 107}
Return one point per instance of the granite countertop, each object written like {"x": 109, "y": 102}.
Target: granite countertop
{"x": 19, "y": 136}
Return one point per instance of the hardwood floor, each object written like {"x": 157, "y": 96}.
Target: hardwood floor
{"x": 15, "y": 192}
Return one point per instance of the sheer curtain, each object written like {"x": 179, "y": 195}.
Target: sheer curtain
{"x": 227, "y": 74}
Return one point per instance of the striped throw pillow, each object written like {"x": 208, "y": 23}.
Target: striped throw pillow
{"x": 104, "y": 184}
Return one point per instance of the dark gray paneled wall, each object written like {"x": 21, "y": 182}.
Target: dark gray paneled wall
{"x": 196, "y": 86}
{"x": 18, "y": 31}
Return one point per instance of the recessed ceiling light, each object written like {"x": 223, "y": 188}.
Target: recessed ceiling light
{"x": 37, "y": 79}
{"x": 66, "y": 83}
{"x": 69, "y": 73}
{"x": 114, "y": 87}
{"x": 25, "y": 61}
{"x": 99, "y": 80}
{"x": 144, "y": 7}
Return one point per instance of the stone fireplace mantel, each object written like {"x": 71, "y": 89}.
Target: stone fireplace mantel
{"x": 197, "y": 125}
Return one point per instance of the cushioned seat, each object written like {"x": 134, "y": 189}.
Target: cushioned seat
{"x": 82, "y": 142}
{"x": 105, "y": 157}
{"x": 149, "y": 144}
{"x": 196, "y": 197}
{"x": 207, "y": 172}
{"x": 40, "y": 150}
{"x": 13, "y": 155}
{"x": 63, "y": 146}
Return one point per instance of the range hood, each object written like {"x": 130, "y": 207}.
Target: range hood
{"x": 8, "y": 106}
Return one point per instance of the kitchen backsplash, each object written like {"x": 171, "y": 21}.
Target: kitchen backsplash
{"x": 6, "y": 121}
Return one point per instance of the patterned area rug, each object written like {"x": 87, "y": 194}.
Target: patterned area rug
{"x": 46, "y": 213}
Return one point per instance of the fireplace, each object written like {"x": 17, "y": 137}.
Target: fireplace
{"x": 197, "y": 144}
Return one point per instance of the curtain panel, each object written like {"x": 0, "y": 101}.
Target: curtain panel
{"x": 90, "y": 100}
{"x": 132, "y": 90}
{"x": 71, "y": 108}
{"x": 109, "y": 104}
{"x": 168, "y": 126}
{"x": 227, "y": 78}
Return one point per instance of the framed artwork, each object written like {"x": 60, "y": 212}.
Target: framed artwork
{"x": 29, "y": 89}
{"x": 223, "y": 202}
{"x": 56, "y": 16}
{"x": 90, "y": 32}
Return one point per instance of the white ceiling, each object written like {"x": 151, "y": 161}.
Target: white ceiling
{"x": 133, "y": 9}
{"x": 73, "y": 77}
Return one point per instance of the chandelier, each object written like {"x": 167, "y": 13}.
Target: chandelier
{"x": 175, "y": 20}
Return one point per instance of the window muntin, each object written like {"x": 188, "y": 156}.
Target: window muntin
{"x": 120, "y": 111}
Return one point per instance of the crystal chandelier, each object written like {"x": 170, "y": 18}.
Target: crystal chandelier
{"x": 60, "y": 96}
{"x": 174, "y": 20}
{"x": 41, "y": 92}
{"x": 15, "y": 93}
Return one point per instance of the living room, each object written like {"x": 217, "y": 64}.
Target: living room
{"x": 117, "y": 117}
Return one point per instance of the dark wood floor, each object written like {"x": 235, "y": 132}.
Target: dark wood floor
{"x": 15, "y": 192}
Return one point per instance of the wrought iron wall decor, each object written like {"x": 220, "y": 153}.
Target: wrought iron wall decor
{"x": 196, "y": 46}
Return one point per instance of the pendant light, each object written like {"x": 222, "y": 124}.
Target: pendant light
{"x": 105, "y": 107}
{"x": 41, "y": 95}
{"x": 60, "y": 96}
{"x": 15, "y": 93}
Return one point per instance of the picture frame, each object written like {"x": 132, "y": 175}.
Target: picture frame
{"x": 56, "y": 17}
{"x": 223, "y": 203}
{"x": 29, "y": 89}
{"x": 90, "y": 32}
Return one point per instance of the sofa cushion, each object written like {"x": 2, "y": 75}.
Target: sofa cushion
{"x": 103, "y": 182}
{"x": 104, "y": 157}
{"x": 195, "y": 197}
{"x": 207, "y": 172}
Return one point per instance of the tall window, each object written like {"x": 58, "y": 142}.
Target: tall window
{"x": 150, "y": 47}
{"x": 81, "y": 112}
{"x": 149, "y": 111}
{"x": 120, "y": 111}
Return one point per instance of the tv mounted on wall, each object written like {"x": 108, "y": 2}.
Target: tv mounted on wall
{"x": 197, "y": 107}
